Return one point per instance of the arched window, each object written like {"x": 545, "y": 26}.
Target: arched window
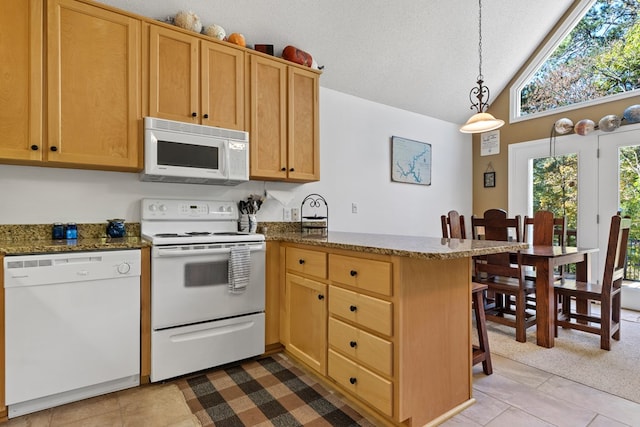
{"x": 594, "y": 57}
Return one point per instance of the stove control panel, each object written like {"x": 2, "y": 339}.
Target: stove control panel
{"x": 171, "y": 209}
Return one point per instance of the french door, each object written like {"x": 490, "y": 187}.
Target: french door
{"x": 619, "y": 178}
{"x": 599, "y": 185}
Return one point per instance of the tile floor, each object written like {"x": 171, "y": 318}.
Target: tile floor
{"x": 515, "y": 395}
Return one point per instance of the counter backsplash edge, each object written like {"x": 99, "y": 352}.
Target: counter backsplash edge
{"x": 21, "y": 232}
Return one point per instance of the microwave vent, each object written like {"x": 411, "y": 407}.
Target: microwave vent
{"x": 174, "y": 126}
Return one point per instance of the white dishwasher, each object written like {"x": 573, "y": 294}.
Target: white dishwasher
{"x": 72, "y": 327}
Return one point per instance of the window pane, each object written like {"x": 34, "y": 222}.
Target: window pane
{"x": 599, "y": 57}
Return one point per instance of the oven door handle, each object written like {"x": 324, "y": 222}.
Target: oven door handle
{"x": 179, "y": 251}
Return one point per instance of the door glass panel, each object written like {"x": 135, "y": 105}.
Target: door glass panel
{"x": 555, "y": 189}
{"x": 629, "y": 204}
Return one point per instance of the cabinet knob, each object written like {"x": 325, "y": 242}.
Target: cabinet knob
{"x": 353, "y": 273}
{"x": 320, "y": 297}
{"x": 283, "y": 169}
{"x": 34, "y": 147}
{"x": 353, "y": 380}
{"x": 54, "y": 148}
{"x": 194, "y": 114}
{"x": 353, "y": 308}
{"x": 291, "y": 170}
{"x": 206, "y": 116}
{"x": 301, "y": 261}
{"x": 353, "y": 344}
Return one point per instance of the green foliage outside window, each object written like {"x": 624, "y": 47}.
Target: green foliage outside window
{"x": 599, "y": 57}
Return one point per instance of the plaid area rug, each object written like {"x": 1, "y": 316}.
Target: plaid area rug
{"x": 266, "y": 392}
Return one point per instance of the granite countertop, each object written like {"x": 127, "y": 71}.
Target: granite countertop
{"x": 36, "y": 239}
{"x": 407, "y": 246}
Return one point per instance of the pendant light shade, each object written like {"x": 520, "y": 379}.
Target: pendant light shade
{"x": 481, "y": 121}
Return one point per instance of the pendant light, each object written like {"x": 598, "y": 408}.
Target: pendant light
{"x": 481, "y": 121}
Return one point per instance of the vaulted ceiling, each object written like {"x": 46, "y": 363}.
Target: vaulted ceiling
{"x": 416, "y": 55}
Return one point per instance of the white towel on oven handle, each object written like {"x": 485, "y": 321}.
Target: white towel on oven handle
{"x": 239, "y": 268}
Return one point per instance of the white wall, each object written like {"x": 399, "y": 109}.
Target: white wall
{"x": 355, "y": 167}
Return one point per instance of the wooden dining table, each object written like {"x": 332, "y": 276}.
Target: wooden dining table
{"x": 545, "y": 259}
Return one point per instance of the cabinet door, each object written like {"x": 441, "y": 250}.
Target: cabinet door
{"x": 93, "y": 87}
{"x": 303, "y": 126}
{"x": 21, "y": 80}
{"x": 307, "y": 321}
{"x": 268, "y": 130}
{"x": 174, "y": 92}
{"x": 222, "y": 86}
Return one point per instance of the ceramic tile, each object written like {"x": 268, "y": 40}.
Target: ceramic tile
{"x": 602, "y": 421}
{"x": 550, "y": 409}
{"x": 516, "y": 417}
{"x": 611, "y": 406}
{"x": 460, "y": 421}
{"x": 37, "y": 419}
{"x": 485, "y": 409}
{"x": 519, "y": 372}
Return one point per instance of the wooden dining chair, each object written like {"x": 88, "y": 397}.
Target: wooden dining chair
{"x": 607, "y": 293}
{"x": 496, "y": 225}
{"x": 453, "y": 225}
{"x": 453, "y": 228}
{"x": 507, "y": 282}
{"x": 559, "y": 231}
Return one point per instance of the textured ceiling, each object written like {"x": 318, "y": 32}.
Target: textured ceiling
{"x": 416, "y": 55}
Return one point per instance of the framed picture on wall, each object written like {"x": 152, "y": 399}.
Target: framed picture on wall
{"x": 489, "y": 179}
{"x": 410, "y": 161}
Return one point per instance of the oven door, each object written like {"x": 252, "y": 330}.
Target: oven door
{"x": 189, "y": 284}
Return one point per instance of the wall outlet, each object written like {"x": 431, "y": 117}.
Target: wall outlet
{"x": 286, "y": 214}
{"x": 354, "y": 208}
{"x": 295, "y": 214}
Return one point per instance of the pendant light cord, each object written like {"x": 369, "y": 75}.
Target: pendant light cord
{"x": 480, "y": 77}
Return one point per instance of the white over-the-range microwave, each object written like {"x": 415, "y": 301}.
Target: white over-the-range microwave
{"x": 195, "y": 154}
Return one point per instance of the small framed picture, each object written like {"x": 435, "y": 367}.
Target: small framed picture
{"x": 489, "y": 179}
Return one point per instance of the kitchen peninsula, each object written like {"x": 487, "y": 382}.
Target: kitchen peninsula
{"x": 384, "y": 319}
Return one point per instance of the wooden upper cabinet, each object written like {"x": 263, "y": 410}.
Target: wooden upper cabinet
{"x": 195, "y": 80}
{"x": 268, "y": 129}
{"x": 21, "y": 44}
{"x": 173, "y": 75}
{"x": 304, "y": 126}
{"x": 222, "y": 85}
{"x": 93, "y": 75}
{"x": 284, "y": 121}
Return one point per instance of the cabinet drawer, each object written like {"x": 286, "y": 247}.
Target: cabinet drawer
{"x": 304, "y": 261}
{"x": 363, "y": 383}
{"x": 361, "y": 346}
{"x": 374, "y": 276}
{"x": 364, "y": 310}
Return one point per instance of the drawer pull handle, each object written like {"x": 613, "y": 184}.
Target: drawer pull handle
{"x": 353, "y": 344}
{"x": 206, "y": 116}
{"x": 301, "y": 261}
{"x": 34, "y": 147}
{"x": 320, "y": 297}
{"x": 353, "y": 380}
{"x": 353, "y": 308}
{"x": 194, "y": 114}
{"x": 353, "y": 273}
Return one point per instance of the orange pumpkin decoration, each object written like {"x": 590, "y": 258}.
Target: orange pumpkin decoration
{"x": 237, "y": 38}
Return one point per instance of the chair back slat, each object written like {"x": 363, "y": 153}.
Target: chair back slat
{"x": 558, "y": 231}
{"x": 453, "y": 225}
{"x": 616, "y": 253}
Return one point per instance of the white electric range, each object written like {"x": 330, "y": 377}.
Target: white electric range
{"x": 201, "y": 314}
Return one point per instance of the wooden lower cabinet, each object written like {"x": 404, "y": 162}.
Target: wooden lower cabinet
{"x": 307, "y": 310}
{"x": 396, "y": 340}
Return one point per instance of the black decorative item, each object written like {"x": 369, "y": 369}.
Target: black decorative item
{"x": 314, "y": 215}
{"x": 489, "y": 179}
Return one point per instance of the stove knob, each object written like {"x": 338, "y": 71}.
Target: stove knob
{"x": 162, "y": 208}
{"x": 153, "y": 208}
{"x": 124, "y": 268}
{"x": 222, "y": 209}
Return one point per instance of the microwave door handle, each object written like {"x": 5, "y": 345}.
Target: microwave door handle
{"x": 225, "y": 159}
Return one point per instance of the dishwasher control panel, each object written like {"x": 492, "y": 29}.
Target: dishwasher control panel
{"x": 31, "y": 270}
